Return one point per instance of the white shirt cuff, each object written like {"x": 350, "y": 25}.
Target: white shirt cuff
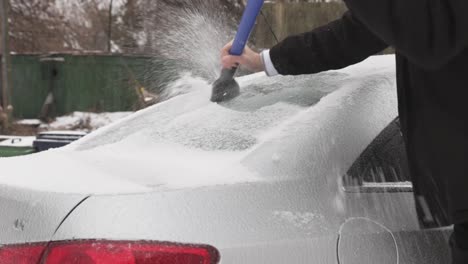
{"x": 269, "y": 67}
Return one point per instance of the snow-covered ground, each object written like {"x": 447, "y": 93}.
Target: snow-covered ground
{"x": 77, "y": 121}
{"x": 84, "y": 121}
{"x": 12, "y": 141}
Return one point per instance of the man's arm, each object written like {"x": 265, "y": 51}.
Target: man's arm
{"x": 428, "y": 32}
{"x": 339, "y": 44}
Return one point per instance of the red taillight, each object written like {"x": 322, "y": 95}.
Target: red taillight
{"x": 21, "y": 254}
{"x": 107, "y": 252}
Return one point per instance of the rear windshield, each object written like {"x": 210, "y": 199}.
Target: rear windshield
{"x": 192, "y": 121}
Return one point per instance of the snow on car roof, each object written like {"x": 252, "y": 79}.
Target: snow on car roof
{"x": 189, "y": 141}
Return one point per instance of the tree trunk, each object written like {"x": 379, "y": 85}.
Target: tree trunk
{"x": 5, "y": 52}
{"x": 109, "y": 30}
{"x": 6, "y": 67}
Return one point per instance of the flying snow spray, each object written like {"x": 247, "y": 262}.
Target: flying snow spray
{"x": 226, "y": 88}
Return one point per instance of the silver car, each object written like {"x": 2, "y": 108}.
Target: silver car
{"x": 307, "y": 169}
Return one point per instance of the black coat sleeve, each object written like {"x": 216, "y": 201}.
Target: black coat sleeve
{"x": 339, "y": 44}
{"x": 427, "y": 32}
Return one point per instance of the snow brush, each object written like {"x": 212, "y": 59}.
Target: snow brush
{"x": 226, "y": 88}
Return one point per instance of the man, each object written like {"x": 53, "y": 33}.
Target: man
{"x": 431, "y": 43}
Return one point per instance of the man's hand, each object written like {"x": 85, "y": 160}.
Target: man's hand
{"x": 249, "y": 59}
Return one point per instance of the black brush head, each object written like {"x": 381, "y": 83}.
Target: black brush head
{"x": 225, "y": 88}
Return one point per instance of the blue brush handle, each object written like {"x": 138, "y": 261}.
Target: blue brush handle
{"x": 246, "y": 25}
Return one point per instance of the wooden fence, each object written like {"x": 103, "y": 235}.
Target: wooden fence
{"x": 293, "y": 18}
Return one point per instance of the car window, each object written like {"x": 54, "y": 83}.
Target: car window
{"x": 191, "y": 121}
{"x": 383, "y": 166}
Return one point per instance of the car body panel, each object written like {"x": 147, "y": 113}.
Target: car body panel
{"x": 30, "y": 216}
{"x": 255, "y": 222}
{"x": 383, "y": 226}
{"x": 235, "y": 218}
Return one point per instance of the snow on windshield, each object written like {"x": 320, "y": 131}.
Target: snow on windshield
{"x": 191, "y": 120}
{"x": 188, "y": 141}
